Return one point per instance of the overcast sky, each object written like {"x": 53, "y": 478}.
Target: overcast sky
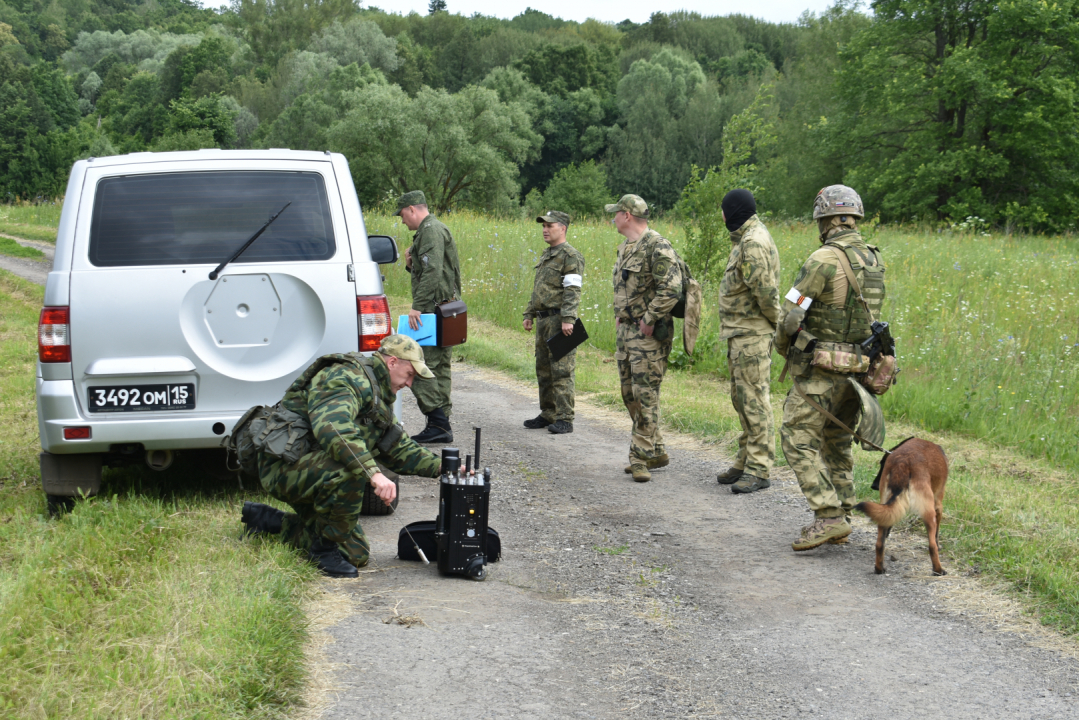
{"x": 611, "y": 10}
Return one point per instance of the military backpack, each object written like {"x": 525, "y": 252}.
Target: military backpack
{"x": 688, "y": 306}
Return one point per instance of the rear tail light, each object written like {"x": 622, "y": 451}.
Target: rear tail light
{"x": 374, "y": 318}
{"x": 54, "y": 335}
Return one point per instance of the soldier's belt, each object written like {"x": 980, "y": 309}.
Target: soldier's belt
{"x": 843, "y": 358}
{"x": 548, "y": 313}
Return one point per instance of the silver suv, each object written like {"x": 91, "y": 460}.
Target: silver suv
{"x": 146, "y": 347}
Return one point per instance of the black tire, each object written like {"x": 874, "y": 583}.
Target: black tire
{"x": 59, "y": 504}
{"x": 372, "y": 505}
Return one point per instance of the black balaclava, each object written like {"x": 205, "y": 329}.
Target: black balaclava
{"x": 738, "y": 206}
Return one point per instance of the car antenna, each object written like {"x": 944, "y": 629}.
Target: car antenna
{"x": 217, "y": 270}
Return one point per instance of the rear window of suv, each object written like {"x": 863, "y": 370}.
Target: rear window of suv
{"x": 204, "y": 217}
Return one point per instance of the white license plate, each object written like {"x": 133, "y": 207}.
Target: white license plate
{"x": 133, "y": 398}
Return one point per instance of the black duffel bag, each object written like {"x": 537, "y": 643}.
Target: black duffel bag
{"x": 423, "y": 534}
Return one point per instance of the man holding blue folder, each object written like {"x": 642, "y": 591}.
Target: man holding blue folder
{"x": 556, "y": 297}
{"x": 436, "y": 278}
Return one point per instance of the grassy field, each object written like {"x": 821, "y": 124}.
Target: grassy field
{"x": 987, "y": 327}
{"x": 144, "y": 601}
{"x": 14, "y": 249}
{"x": 30, "y": 221}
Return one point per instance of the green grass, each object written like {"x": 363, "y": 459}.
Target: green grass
{"x": 26, "y": 213}
{"x": 143, "y": 601}
{"x": 987, "y": 327}
{"x": 41, "y": 233}
{"x": 31, "y": 221}
{"x": 14, "y": 249}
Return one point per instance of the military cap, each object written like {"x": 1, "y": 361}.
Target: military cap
{"x": 415, "y": 197}
{"x": 554, "y": 216}
{"x": 405, "y": 348}
{"x": 633, "y": 204}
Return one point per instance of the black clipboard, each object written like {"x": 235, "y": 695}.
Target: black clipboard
{"x": 561, "y": 345}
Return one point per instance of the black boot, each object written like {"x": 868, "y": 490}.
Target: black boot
{"x": 437, "y": 430}
{"x": 330, "y": 560}
{"x": 258, "y": 518}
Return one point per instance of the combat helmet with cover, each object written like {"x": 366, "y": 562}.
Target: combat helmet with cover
{"x": 837, "y": 200}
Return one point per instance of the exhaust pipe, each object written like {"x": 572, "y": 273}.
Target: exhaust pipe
{"x": 159, "y": 460}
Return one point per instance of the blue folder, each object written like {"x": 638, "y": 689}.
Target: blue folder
{"x": 426, "y": 336}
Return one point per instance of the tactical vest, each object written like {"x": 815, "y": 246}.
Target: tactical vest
{"x": 850, "y": 323}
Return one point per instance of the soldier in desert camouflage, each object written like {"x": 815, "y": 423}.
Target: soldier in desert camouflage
{"x": 556, "y": 297}
{"x": 748, "y": 313}
{"x": 348, "y": 402}
{"x": 647, "y": 283}
{"x": 821, "y": 322}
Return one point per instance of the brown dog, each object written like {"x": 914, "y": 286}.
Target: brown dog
{"x": 913, "y": 476}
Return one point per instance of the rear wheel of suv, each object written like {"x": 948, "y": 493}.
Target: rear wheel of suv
{"x": 59, "y": 504}
{"x": 373, "y": 505}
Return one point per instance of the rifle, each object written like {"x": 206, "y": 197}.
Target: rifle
{"x": 880, "y": 342}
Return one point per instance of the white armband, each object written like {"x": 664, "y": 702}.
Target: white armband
{"x": 799, "y": 299}
{"x": 572, "y": 280}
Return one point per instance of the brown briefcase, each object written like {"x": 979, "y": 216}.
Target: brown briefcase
{"x": 452, "y": 320}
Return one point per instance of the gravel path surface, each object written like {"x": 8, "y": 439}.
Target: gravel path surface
{"x": 672, "y": 598}
{"x": 33, "y": 270}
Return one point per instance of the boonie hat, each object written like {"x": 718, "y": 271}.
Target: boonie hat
{"x": 414, "y": 197}
{"x": 405, "y": 348}
{"x": 554, "y": 216}
{"x": 633, "y": 204}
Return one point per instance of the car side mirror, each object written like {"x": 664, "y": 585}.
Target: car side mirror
{"x": 383, "y": 249}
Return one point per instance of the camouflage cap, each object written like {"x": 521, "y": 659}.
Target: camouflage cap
{"x": 837, "y": 200}
{"x": 405, "y": 348}
{"x": 554, "y": 216}
{"x": 415, "y": 197}
{"x": 633, "y": 204}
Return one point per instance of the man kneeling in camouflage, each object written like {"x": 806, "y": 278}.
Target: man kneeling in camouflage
{"x": 347, "y": 401}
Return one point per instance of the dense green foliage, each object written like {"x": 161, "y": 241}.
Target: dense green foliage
{"x": 933, "y": 110}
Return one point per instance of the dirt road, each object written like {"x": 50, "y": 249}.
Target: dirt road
{"x": 33, "y": 270}
{"x": 673, "y": 598}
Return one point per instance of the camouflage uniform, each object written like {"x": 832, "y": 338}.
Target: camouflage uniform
{"x": 817, "y": 450}
{"x": 326, "y": 486}
{"x": 556, "y": 298}
{"x": 748, "y": 311}
{"x": 436, "y": 278}
{"x": 647, "y": 283}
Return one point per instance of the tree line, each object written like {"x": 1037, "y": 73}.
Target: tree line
{"x": 934, "y": 110}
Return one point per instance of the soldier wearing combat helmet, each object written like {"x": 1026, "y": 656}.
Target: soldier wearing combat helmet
{"x": 556, "y": 297}
{"x": 821, "y": 322}
{"x": 347, "y": 402}
{"x": 647, "y": 284}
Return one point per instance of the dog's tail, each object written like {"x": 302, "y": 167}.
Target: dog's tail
{"x": 888, "y": 514}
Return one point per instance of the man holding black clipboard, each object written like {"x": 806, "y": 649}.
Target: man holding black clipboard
{"x": 556, "y": 297}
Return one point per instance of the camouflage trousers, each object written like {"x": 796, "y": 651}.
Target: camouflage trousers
{"x": 817, "y": 450}
{"x": 642, "y": 362}
{"x": 434, "y": 393}
{"x": 556, "y": 382}
{"x": 326, "y": 499}
{"x": 749, "y": 358}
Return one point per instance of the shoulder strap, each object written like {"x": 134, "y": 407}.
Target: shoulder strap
{"x": 844, "y": 263}
{"x": 834, "y": 419}
{"x": 385, "y": 413}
